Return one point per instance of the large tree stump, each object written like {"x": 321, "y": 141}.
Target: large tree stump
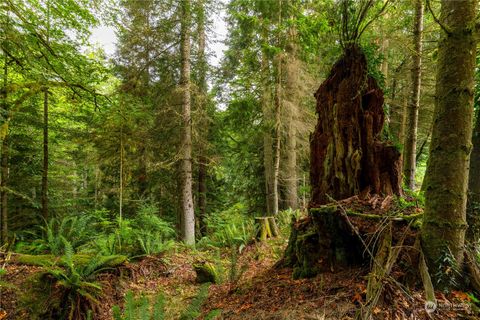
{"x": 347, "y": 155}
{"x": 348, "y": 159}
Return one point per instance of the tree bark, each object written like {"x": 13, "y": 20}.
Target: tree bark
{"x": 410, "y": 150}
{"x": 444, "y": 225}
{"x": 473, "y": 202}
{"x": 278, "y": 122}
{"x": 347, "y": 156}
{"x": 291, "y": 106}
{"x": 267, "y": 136}
{"x": 202, "y": 158}
{"x": 278, "y": 108}
{"x": 188, "y": 219}
{"x": 45, "y": 157}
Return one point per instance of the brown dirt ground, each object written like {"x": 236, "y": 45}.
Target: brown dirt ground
{"x": 263, "y": 292}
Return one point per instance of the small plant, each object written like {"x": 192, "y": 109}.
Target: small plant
{"x": 139, "y": 308}
{"x": 235, "y": 271}
{"x": 448, "y": 273}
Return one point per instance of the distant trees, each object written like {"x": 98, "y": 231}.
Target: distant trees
{"x": 38, "y": 57}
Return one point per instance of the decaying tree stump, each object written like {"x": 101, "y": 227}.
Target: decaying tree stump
{"x": 348, "y": 160}
{"x": 347, "y": 156}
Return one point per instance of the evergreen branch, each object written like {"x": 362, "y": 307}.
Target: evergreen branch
{"x": 444, "y": 28}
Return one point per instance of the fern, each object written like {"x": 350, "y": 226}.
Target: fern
{"x": 74, "y": 289}
{"x": 193, "y": 309}
{"x": 139, "y": 308}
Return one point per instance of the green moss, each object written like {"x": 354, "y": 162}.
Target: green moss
{"x": 50, "y": 260}
{"x": 206, "y": 272}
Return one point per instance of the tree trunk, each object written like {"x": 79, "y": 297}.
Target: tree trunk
{"x": 278, "y": 108}
{"x": 473, "y": 202}
{"x": 444, "y": 225}
{"x": 291, "y": 111}
{"x": 45, "y": 157}
{"x": 188, "y": 219}
{"x": 347, "y": 157}
{"x": 142, "y": 172}
{"x": 410, "y": 150}
{"x": 202, "y": 84}
{"x": 267, "y": 136}
{"x": 4, "y": 163}
{"x": 278, "y": 133}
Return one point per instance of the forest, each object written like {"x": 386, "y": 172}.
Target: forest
{"x": 239, "y": 159}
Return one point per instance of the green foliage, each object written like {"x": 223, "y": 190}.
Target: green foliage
{"x": 448, "y": 275}
{"x": 72, "y": 290}
{"x": 140, "y": 308}
{"x": 192, "y": 311}
{"x": 143, "y": 308}
{"x": 411, "y": 199}
{"x": 4, "y": 284}
{"x": 231, "y": 227}
{"x": 235, "y": 270}
{"x": 145, "y": 233}
{"x": 284, "y": 219}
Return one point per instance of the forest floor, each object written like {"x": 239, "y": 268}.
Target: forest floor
{"x": 259, "y": 290}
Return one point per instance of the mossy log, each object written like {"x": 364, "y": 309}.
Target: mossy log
{"x": 331, "y": 238}
{"x": 266, "y": 228}
{"x": 50, "y": 260}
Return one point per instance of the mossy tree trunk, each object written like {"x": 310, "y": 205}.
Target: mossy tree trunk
{"x": 203, "y": 125}
{"x": 291, "y": 115}
{"x": 267, "y": 135}
{"x": 446, "y": 179}
{"x": 411, "y": 138}
{"x": 473, "y": 203}
{"x": 347, "y": 156}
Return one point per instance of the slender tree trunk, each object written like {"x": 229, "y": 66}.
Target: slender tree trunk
{"x": 122, "y": 152}
{"x": 202, "y": 158}
{"x": 278, "y": 123}
{"x": 410, "y": 150}
{"x": 267, "y": 135}
{"x": 403, "y": 124}
{"x": 142, "y": 172}
{"x": 444, "y": 224}
{"x": 4, "y": 163}
{"x": 188, "y": 221}
{"x": 473, "y": 203}
{"x": 45, "y": 157}
{"x": 291, "y": 106}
